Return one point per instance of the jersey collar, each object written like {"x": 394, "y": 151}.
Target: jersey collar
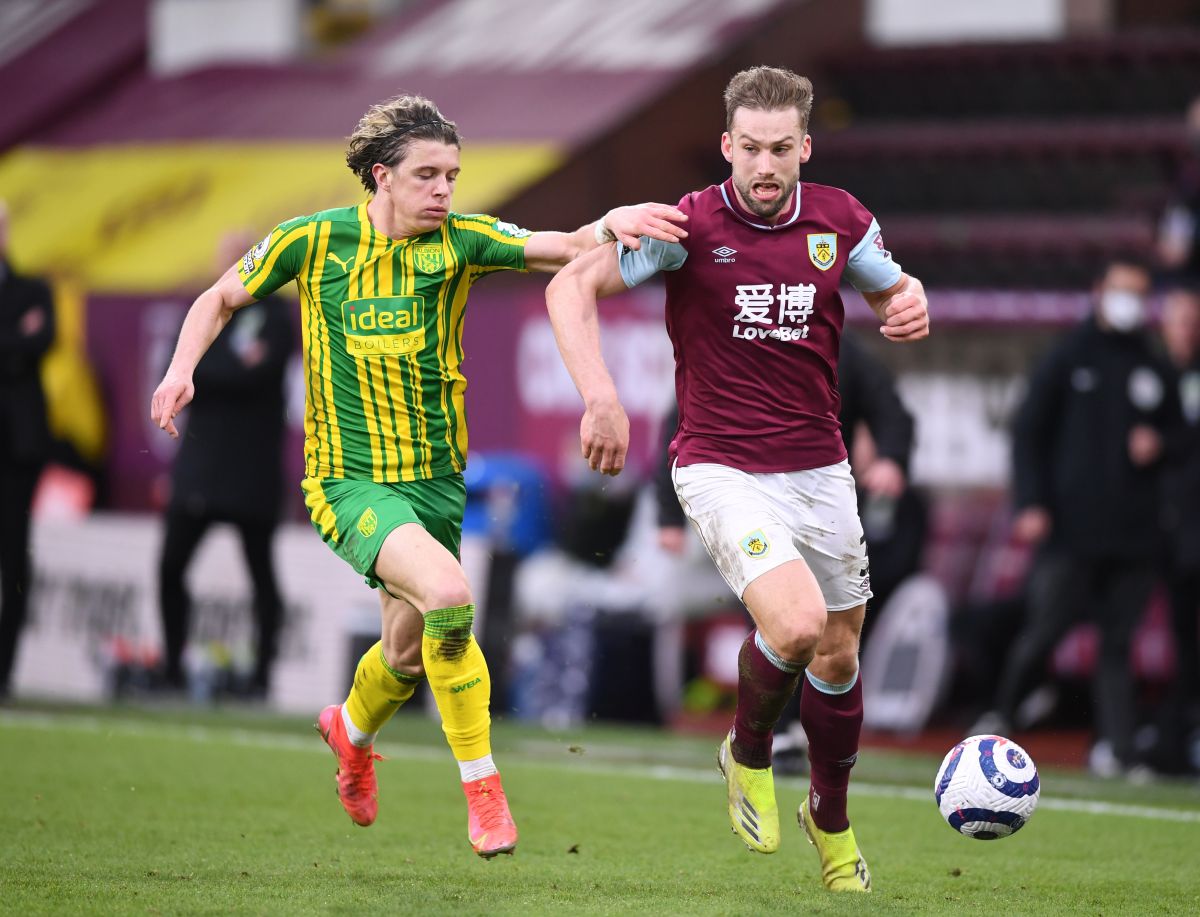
{"x": 752, "y": 219}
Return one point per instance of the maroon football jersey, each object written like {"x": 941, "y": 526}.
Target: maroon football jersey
{"x": 755, "y": 316}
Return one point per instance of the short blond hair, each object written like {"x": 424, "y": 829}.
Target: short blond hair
{"x": 388, "y": 129}
{"x": 769, "y": 89}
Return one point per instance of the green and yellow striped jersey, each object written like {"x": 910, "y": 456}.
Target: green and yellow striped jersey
{"x": 382, "y": 325}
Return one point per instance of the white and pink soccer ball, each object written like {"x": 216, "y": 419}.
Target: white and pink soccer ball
{"x": 987, "y": 787}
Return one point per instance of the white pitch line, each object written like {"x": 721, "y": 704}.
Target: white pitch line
{"x": 245, "y": 737}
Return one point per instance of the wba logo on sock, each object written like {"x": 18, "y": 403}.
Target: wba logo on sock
{"x": 458, "y": 689}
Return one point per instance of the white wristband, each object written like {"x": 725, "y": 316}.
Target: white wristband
{"x": 602, "y": 233}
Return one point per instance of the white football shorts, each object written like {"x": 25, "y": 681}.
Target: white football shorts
{"x": 752, "y": 523}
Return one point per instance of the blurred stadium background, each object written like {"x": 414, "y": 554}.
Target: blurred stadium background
{"x": 1008, "y": 150}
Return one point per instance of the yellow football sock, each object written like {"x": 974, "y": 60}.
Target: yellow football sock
{"x": 458, "y": 677}
{"x": 378, "y": 691}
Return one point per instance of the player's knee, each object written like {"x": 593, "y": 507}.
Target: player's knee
{"x": 840, "y": 666}
{"x": 447, "y": 591}
{"x": 798, "y": 639}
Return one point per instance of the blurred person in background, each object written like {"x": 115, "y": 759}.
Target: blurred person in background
{"x": 1088, "y": 450}
{"x": 229, "y": 469}
{"x": 27, "y": 330}
{"x": 1178, "y": 740}
{"x": 1179, "y": 228}
{"x": 384, "y": 289}
{"x": 755, "y": 317}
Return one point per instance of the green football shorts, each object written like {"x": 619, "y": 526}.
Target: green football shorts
{"x": 354, "y": 517}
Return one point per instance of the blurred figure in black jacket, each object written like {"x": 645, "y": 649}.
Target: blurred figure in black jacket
{"x": 228, "y": 469}
{"x": 1088, "y": 457}
{"x": 26, "y": 333}
{"x": 1179, "y": 228}
{"x": 1178, "y": 747}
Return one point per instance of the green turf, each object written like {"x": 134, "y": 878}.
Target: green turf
{"x": 169, "y": 812}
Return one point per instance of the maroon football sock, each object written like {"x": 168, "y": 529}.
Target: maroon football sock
{"x": 833, "y": 723}
{"x": 763, "y": 691}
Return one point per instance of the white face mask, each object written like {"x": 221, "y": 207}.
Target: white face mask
{"x": 1122, "y": 310}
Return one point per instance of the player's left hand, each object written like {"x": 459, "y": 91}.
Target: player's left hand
{"x": 658, "y": 221}
{"x": 906, "y": 317}
{"x": 604, "y": 437}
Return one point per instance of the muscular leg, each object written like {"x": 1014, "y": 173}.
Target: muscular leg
{"x": 388, "y": 673}
{"x": 415, "y": 567}
{"x": 789, "y": 613}
{"x": 831, "y": 711}
{"x": 182, "y": 535}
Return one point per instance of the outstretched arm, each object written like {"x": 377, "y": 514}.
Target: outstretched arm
{"x": 571, "y": 301}
{"x": 208, "y": 315}
{"x": 902, "y": 308}
{"x": 550, "y": 251}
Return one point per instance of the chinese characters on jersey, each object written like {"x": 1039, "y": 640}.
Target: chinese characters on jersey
{"x": 764, "y": 312}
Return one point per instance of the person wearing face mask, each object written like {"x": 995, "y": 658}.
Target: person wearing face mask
{"x": 1089, "y": 442}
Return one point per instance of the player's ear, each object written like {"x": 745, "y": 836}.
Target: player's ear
{"x": 806, "y": 148}
{"x": 380, "y": 172}
{"x": 727, "y": 146}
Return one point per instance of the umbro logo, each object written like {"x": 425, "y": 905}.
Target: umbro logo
{"x": 724, "y": 254}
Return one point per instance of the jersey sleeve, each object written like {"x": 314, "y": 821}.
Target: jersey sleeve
{"x": 490, "y": 242}
{"x": 275, "y": 260}
{"x": 870, "y": 267}
{"x": 639, "y": 265}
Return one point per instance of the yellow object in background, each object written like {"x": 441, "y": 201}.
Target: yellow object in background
{"x": 74, "y": 406}
{"x": 146, "y": 218}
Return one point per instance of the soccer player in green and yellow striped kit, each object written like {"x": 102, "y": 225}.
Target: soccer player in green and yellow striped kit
{"x": 383, "y": 293}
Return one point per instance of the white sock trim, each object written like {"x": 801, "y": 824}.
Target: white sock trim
{"x": 356, "y": 735}
{"x": 477, "y": 769}
{"x": 774, "y": 658}
{"x": 826, "y": 687}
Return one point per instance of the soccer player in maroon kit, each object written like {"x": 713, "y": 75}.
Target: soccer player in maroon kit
{"x": 755, "y": 316}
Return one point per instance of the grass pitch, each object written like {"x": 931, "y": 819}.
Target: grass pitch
{"x": 183, "y": 812}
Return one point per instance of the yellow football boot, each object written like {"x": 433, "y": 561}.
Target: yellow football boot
{"x": 752, "y": 810}
{"x": 843, "y": 868}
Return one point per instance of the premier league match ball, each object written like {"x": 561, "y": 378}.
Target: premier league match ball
{"x": 987, "y": 787}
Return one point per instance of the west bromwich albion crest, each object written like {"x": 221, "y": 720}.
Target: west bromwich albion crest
{"x": 822, "y": 249}
{"x": 429, "y": 258}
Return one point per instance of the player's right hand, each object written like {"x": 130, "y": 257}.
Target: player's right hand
{"x": 604, "y": 437}
{"x": 906, "y": 317}
{"x": 169, "y": 399}
{"x": 657, "y": 221}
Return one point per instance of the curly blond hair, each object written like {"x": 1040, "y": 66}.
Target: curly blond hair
{"x": 387, "y": 130}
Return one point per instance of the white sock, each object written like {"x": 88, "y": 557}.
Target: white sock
{"x": 356, "y": 735}
{"x": 477, "y": 769}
